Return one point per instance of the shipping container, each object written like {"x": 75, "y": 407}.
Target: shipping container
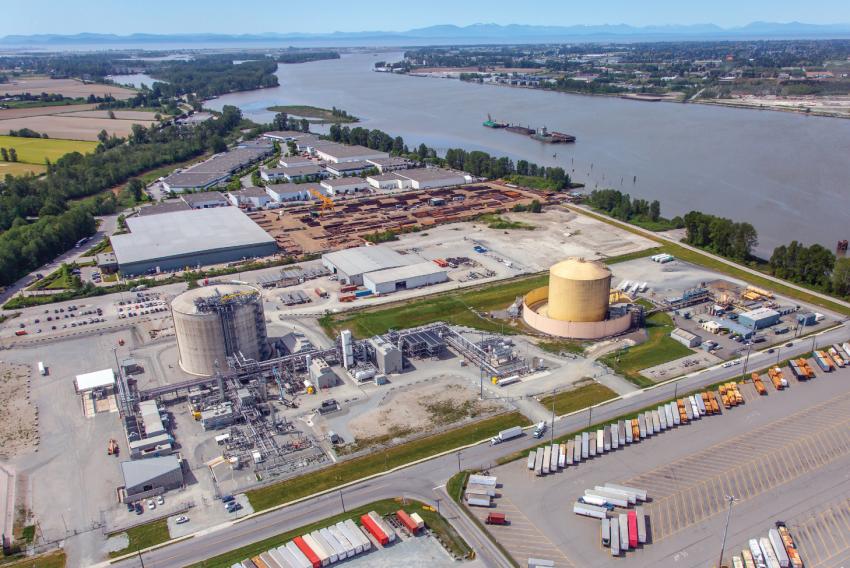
{"x": 600, "y": 441}
{"x": 553, "y": 458}
{"x": 623, "y": 520}
{"x": 591, "y": 444}
{"x": 640, "y": 494}
{"x": 779, "y": 548}
{"x": 605, "y": 531}
{"x": 308, "y": 552}
{"x": 590, "y": 510}
{"x": 585, "y": 439}
{"x": 376, "y": 531}
{"x": 633, "y": 529}
{"x": 615, "y": 537}
{"x": 641, "y": 524}
{"x": 547, "y": 459}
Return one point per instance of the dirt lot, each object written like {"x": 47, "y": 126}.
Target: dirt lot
{"x": 18, "y": 424}
{"x": 834, "y": 106}
{"x": 10, "y": 113}
{"x": 413, "y": 410}
{"x": 71, "y": 127}
{"x": 67, "y": 87}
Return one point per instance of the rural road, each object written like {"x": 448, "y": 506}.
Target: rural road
{"x": 425, "y": 480}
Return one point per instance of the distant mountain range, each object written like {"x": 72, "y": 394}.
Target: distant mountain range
{"x": 476, "y": 33}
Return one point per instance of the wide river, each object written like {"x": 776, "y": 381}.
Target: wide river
{"x": 788, "y": 174}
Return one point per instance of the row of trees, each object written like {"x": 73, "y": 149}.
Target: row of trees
{"x": 27, "y": 133}
{"x": 814, "y": 266}
{"x": 720, "y": 235}
{"x": 283, "y": 121}
{"x": 10, "y": 155}
{"x": 298, "y": 56}
{"x": 621, "y": 206}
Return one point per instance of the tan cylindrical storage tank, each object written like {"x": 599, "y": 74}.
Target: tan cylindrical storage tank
{"x": 214, "y": 322}
{"x": 578, "y": 290}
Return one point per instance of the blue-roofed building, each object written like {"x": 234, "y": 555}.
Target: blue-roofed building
{"x": 760, "y": 318}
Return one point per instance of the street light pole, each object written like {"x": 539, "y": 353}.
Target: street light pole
{"x": 731, "y": 500}
{"x": 553, "y": 417}
{"x": 341, "y": 500}
{"x": 458, "y": 462}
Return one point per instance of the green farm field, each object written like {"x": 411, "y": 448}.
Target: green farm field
{"x": 38, "y": 150}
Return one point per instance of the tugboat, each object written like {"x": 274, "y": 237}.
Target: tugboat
{"x": 490, "y": 123}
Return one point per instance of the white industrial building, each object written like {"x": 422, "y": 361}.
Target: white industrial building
{"x": 335, "y": 153}
{"x": 351, "y": 264}
{"x": 685, "y": 337}
{"x": 340, "y": 186}
{"x": 404, "y": 277}
{"x": 205, "y": 199}
{"x": 298, "y": 161}
{"x": 348, "y": 168}
{"x": 309, "y": 172}
{"x": 390, "y": 164}
{"x": 284, "y": 192}
{"x": 419, "y": 178}
{"x": 249, "y": 198}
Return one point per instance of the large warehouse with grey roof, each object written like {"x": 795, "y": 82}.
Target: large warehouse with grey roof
{"x": 176, "y": 240}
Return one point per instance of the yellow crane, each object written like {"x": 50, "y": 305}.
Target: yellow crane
{"x": 327, "y": 202}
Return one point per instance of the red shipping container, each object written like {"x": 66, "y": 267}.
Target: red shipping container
{"x": 308, "y": 552}
{"x": 408, "y": 523}
{"x": 633, "y": 532}
{"x": 375, "y": 530}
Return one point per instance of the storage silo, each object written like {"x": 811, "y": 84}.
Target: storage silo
{"x": 579, "y": 290}
{"x": 212, "y": 323}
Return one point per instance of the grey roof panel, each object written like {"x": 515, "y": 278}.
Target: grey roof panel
{"x": 138, "y": 472}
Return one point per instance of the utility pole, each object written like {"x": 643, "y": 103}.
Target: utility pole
{"x": 731, "y": 500}
{"x": 342, "y": 502}
{"x": 140, "y": 559}
{"x": 458, "y": 462}
{"x": 553, "y": 416}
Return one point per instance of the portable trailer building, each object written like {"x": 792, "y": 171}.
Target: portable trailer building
{"x": 623, "y": 520}
{"x": 638, "y": 493}
{"x": 641, "y": 524}
{"x": 376, "y": 531}
{"x": 353, "y": 532}
{"x": 606, "y": 446}
{"x": 600, "y": 441}
{"x": 547, "y": 458}
{"x": 615, "y": 537}
{"x": 591, "y": 444}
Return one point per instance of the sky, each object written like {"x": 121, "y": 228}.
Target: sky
{"x": 26, "y": 17}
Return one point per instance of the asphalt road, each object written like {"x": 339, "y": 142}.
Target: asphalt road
{"x": 424, "y": 480}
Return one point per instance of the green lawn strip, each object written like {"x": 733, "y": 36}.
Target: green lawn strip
{"x": 579, "y": 398}
{"x": 494, "y": 221}
{"x": 455, "y": 487}
{"x": 436, "y": 523}
{"x": 377, "y": 462}
{"x": 701, "y": 259}
{"x": 54, "y": 559}
{"x": 558, "y": 346}
{"x": 657, "y": 349}
{"x": 143, "y": 536}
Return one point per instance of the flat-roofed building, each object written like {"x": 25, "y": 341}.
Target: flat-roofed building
{"x": 404, "y": 277}
{"x": 284, "y": 135}
{"x": 390, "y": 164}
{"x": 335, "y": 153}
{"x": 340, "y": 169}
{"x": 419, "y": 178}
{"x": 190, "y": 180}
{"x": 685, "y": 337}
{"x": 298, "y": 160}
{"x": 249, "y": 198}
{"x": 204, "y": 200}
{"x": 303, "y": 173}
{"x": 271, "y": 174}
{"x": 169, "y": 206}
{"x": 351, "y": 264}
{"x": 284, "y": 192}
{"x": 189, "y": 238}
{"x": 343, "y": 185}
{"x": 149, "y": 477}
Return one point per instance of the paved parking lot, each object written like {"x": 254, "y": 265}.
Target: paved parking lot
{"x": 784, "y": 456}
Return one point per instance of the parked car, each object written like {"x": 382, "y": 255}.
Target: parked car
{"x": 182, "y": 519}
{"x": 139, "y": 509}
{"x": 151, "y": 504}
{"x": 160, "y": 500}
{"x": 227, "y": 499}
{"x": 130, "y": 507}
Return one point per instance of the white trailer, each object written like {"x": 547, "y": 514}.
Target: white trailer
{"x": 577, "y": 445}
{"x": 600, "y": 441}
{"x": 593, "y": 500}
{"x": 615, "y": 537}
{"x": 480, "y": 490}
{"x": 538, "y": 461}
{"x": 623, "y": 520}
{"x": 689, "y": 411}
{"x": 605, "y": 530}
{"x": 506, "y": 435}
{"x": 656, "y": 422}
{"x": 629, "y": 434}
{"x": 758, "y": 557}
{"x": 621, "y": 426}
{"x": 540, "y": 563}
{"x": 333, "y": 542}
{"x": 662, "y": 417}
{"x": 641, "y": 524}
{"x": 356, "y": 532}
{"x": 624, "y": 285}
{"x": 590, "y": 510}
{"x": 629, "y": 498}
{"x": 616, "y": 499}
{"x": 606, "y": 437}
{"x": 769, "y": 554}
{"x": 615, "y": 437}
{"x": 531, "y": 456}
{"x": 478, "y": 500}
{"x": 284, "y": 557}
{"x": 42, "y": 370}
{"x": 570, "y": 452}
{"x": 674, "y": 411}
{"x": 553, "y": 458}
{"x": 326, "y": 546}
{"x": 585, "y": 439}
{"x": 694, "y": 406}
{"x": 779, "y": 548}
{"x": 700, "y": 405}
{"x": 562, "y": 456}
{"x": 324, "y": 556}
{"x": 642, "y": 425}
{"x": 299, "y": 556}
{"x": 639, "y": 493}
{"x": 267, "y": 559}
{"x": 350, "y": 548}
{"x": 355, "y": 543}
{"x": 591, "y": 444}
{"x": 547, "y": 459}
{"x": 483, "y": 479}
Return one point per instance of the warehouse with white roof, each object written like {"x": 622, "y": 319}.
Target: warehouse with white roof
{"x": 351, "y": 264}
{"x": 404, "y": 277}
{"x": 182, "y": 239}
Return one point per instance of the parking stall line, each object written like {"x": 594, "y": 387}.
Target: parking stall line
{"x": 691, "y": 506}
{"x": 836, "y": 532}
{"x": 816, "y": 531}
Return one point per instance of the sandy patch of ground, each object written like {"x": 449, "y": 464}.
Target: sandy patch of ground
{"x": 421, "y": 408}
{"x": 8, "y": 113}
{"x": 72, "y": 128}
{"x": 67, "y": 87}
{"x": 838, "y": 105}
{"x": 135, "y": 115}
{"x": 18, "y": 419}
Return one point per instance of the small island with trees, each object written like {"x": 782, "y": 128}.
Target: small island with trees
{"x": 316, "y": 115}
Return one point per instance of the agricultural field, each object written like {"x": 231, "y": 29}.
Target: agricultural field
{"x": 43, "y": 109}
{"x": 68, "y": 87}
{"x": 38, "y": 150}
{"x": 73, "y": 127}
{"x": 19, "y": 169}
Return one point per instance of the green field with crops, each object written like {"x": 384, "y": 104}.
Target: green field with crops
{"x": 39, "y": 150}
